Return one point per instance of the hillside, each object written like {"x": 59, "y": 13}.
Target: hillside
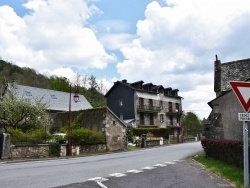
{"x": 29, "y": 77}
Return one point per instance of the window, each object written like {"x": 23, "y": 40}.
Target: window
{"x": 53, "y": 97}
{"x": 177, "y": 107}
{"x": 120, "y": 102}
{"x": 170, "y": 107}
{"x": 171, "y": 120}
{"x": 28, "y": 93}
{"x": 141, "y": 118}
{"x": 161, "y": 118}
{"x": 161, "y": 105}
{"x": 113, "y": 122}
{"x": 151, "y": 118}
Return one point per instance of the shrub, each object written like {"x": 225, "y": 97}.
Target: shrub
{"x": 30, "y": 137}
{"x": 85, "y": 136}
{"x": 229, "y": 151}
{"x": 157, "y": 132}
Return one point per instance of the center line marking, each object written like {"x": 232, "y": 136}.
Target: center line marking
{"x": 117, "y": 174}
{"x": 134, "y": 171}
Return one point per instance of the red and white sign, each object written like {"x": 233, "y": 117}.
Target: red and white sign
{"x": 242, "y": 91}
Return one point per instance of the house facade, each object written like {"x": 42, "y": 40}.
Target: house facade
{"x": 223, "y": 122}
{"x": 146, "y": 105}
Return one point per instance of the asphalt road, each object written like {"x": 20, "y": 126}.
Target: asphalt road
{"x": 167, "y": 164}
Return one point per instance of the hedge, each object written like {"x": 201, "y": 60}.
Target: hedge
{"x": 85, "y": 136}
{"x": 30, "y": 137}
{"x": 157, "y": 132}
{"x": 229, "y": 151}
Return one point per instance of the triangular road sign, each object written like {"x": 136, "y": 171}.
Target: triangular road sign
{"x": 242, "y": 91}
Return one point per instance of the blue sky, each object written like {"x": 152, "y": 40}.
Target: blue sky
{"x": 167, "y": 42}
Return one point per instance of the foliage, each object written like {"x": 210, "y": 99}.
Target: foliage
{"x": 229, "y": 151}
{"x": 85, "y": 136}
{"x": 22, "y": 114}
{"x": 191, "y": 122}
{"x": 230, "y": 172}
{"x": 30, "y": 137}
{"x": 59, "y": 83}
{"x": 158, "y": 132}
{"x": 130, "y": 134}
{"x": 149, "y": 134}
{"x": 54, "y": 150}
{"x": 24, "y": 76}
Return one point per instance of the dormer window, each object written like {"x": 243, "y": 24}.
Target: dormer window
{"x": 120, "y": 102}
{"x": 53, "y": 97}
{"x": 28, "y": 93}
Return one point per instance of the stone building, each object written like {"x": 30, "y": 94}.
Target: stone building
{"x": 223, "y": 122}
{"x": 102, "y": 120}
{"x": 146, "y": 105}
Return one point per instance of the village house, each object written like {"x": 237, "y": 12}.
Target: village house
{"x": 146, "y": 105}
{"x": 102, "y": 120}
{"x": 223, "y": 122}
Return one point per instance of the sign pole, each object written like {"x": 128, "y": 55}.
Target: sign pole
{"x": 246, "y": 166}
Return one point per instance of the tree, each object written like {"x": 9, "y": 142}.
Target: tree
{"x": 22, "y": 113}
{"x": 191, "y": 122}
{"x": 59, "y": 83}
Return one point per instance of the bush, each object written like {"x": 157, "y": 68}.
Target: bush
{"x": 30, "y": 137}
{"x": 229, "y": 151}
{"x": 157, "y": 132}
{"x": 85, "y": 136}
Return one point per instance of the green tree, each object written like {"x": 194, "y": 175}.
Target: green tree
{"x": 22, "y": 113}
{"x": 59, "y": 83}
{"x": 191, "y": 122}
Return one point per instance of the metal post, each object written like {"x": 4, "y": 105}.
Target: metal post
{"x": 246, "y": 167}
{"x": 69, "y": 124}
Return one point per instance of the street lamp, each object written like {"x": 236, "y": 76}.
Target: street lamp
{"x": 76, "y": 99}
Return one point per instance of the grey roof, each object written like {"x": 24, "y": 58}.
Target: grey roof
{"x": 54, "y": 100}
{"x": 234, "y": 71}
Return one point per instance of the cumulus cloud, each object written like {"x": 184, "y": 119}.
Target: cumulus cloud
{"x": 177, "y": 43}
{"x": 53, "y": 34}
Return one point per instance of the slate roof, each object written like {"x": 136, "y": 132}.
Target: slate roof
{"x": 55, "y": 100}
{"x": 234, "y": 71}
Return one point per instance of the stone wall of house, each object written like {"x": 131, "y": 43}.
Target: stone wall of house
{"x": 227, "y": 126}
{"x": 115, "y": 134}
{"x": 29, "y": 151}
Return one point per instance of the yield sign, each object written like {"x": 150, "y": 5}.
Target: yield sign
{"x": 242, "y": 91}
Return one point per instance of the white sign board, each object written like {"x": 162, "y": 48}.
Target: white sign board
{"x": 244, "y": 116}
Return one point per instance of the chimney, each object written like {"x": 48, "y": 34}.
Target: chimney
{"x": 124, "y": 81}
{"x": 217, "y": 76}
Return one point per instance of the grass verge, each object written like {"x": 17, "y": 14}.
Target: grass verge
{"x": 232, "y": 173}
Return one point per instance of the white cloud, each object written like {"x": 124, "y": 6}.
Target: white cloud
{"x": 54, "y": 34}
{"x": 176, "y": 46}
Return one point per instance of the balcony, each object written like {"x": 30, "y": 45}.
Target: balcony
{"x": 148, "y": 108}
{"x": 174, "y": 112}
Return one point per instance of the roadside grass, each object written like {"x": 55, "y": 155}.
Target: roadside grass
{"x": 232, "y": 173}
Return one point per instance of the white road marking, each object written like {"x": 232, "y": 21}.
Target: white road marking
{"x": 134, "y": 171}
{"x": 101, "y": 185}
{"x": 148, "y": 168}
{"x": 98, "y": 179}
{"x": 160, "y": 165}
{"x": 170, "y": 162}
{"x": 117, "y": 174}
{"x": 178, "y": 160}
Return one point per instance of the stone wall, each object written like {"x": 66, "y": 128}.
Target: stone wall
{"x": 29, "y": 151}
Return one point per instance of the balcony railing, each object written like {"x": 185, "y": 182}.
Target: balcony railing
{"x": 174, "y": 112}
{"x": 148, "y": 108}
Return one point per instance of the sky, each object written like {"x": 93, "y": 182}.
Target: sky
{"x": 172, "y": 43}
